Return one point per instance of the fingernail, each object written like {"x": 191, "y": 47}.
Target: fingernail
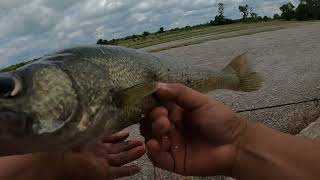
{"x": 123, "y": 132}
{"x": 163, "y": 86}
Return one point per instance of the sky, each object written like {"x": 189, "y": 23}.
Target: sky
{"x": 33, "y": 28}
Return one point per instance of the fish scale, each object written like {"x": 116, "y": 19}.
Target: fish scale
{"x": 74, "y": 96}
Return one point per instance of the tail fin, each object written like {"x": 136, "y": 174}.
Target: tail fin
{"x": 249, "y": 80}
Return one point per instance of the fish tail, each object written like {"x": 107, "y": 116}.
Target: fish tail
{"x": 249, "y": 80}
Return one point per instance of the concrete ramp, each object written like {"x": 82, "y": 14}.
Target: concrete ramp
{"x": 289, "y": 61}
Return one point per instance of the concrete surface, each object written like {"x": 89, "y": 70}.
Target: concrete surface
{"x": 312, "y": 131}
{"x": 215, "y": 36}
{"x": 289, "y": 61}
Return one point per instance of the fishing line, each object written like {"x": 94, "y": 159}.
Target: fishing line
{"x": 316, "y": 100}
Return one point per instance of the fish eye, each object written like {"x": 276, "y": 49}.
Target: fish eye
{"x": 9, "y": 87}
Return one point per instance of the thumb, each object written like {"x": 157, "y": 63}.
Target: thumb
{"x": 182, "y": 95}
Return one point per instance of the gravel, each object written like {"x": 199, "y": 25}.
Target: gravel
{"x": 289, "y": 61}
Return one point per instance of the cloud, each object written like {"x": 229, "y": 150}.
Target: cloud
{"x": 31, "y": 28}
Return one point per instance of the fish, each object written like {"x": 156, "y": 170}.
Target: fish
{"x": 75, "y": 95}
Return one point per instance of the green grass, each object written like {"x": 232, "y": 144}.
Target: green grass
{"x": 169, "y": 36}
{"x": 16, "y": 66}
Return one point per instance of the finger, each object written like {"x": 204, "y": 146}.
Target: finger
{"x": 184, "y": 96}
{"x": 117, "y": 137}
{"x": 114, "y": 148}
{"x": 178, "y": 150}
{"x": 165, "y": 143}
{"x": 146, "y": 124}
{"x": 175, "y": 114}
{"x": 126, "y": 156}
{"x": 119, "y": 172}
{"x": 158, "y": 112}
{"x": 160, "y": 122}
{"x": 161, "y": 126}
{"x": 160, "y": 158}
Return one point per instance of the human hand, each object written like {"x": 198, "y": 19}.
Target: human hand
{"x": 104, "y": 159}
{"x": 192, "y": 134}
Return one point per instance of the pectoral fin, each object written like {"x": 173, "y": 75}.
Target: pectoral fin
{"x": 135, "y": 93}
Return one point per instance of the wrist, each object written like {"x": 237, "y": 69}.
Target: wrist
{"x": 264, "y": 153}
{"x": 241, "y": 143}
{"x": 46, "y": 165}
{"x": 255, "y": 152}
{"x": 238, "y": 134}
{"x": 31, "y": 166}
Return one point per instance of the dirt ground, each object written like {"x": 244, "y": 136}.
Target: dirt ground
{"x": 288, "y": 60}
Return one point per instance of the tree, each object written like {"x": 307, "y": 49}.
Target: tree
{"x": 265, "y": 18}
{"x": 113, "y": 42}
{"x": 100, "y": 41}
{"x": 308, "y": 9}
{"x": 145, "y": 34}
{"x": 219, "y": 19}
{"x": 254, "y": 16}
{"x": 259, "y": 18}
{"x": 161, "y": 30}
{"x": 188, "y": 28}
{"x": 288, "y": 11}
{"x": 221, "y": 10}
{"x": 302, "y": 12}
{"x": 276, "y": 16}
{"x": 313, "y": 8}
{"x": 244, "y": 11}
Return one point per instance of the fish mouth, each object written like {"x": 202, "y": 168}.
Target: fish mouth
{"x": 10, "y": 86}
{"x": 15, "y": 125}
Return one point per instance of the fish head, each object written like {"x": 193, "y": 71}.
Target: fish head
{"x": 35, "y": 101}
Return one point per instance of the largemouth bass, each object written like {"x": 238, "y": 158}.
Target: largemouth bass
{"x": 75, "y": 95}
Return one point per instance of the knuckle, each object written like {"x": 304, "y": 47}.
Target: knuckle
{"x": 161, "y": 110}
{"x": 115, "y": 160}
{"x": 158, "y": 111}
{"x": 179, "y": 87}
{"x": 181, "y": 90}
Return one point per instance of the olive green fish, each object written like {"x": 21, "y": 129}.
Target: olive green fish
{"x": 75, "y": 95}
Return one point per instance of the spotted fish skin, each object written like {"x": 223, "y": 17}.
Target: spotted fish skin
{"x": 75, "y": 95}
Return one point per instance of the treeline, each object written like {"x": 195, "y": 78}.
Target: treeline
{"x": 132, "y": 37}
{"x": 220, "y": 19}
{"x": 145, "y": 34}
{"x": 306, "y": 10}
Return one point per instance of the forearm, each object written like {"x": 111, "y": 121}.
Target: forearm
{"x": 49, "y": 166}
{"x": 35, "y": 166}
{"x": 268, "y": 154}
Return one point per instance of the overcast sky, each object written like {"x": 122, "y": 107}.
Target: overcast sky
{"x": 32, "y": 28}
